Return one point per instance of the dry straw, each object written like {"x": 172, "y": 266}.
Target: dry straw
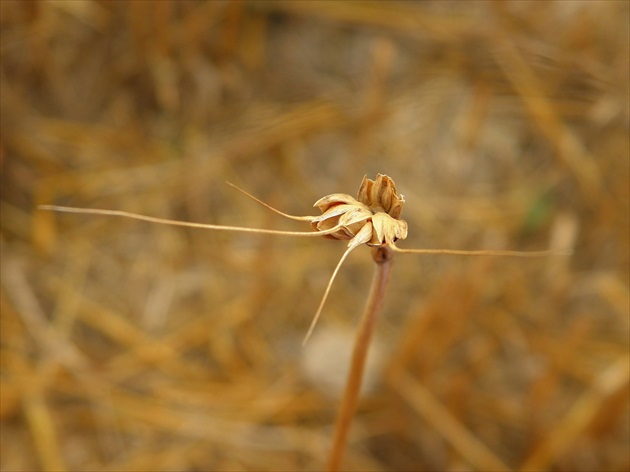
{"x": 129, "y": 347}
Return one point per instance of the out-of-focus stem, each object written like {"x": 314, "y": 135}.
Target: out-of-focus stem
{"x": 383, "y": 263}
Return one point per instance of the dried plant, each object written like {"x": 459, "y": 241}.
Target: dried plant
{"x": 373, "y": 218}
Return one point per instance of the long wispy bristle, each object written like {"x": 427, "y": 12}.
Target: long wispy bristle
{"x": 266, "y": 205}
{"x": 165, "y": 221}
{"x": 483, "y": 252}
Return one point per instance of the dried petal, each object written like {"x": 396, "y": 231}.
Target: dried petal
{"x": 350, "y": 217}
{"x": 354, "y": 219}
{"x": 326, "y": 202}
{"x": 333, "y": 211}
{"x": 381, "y": 195}
{"x": 372, "y": 218}
{"x": 387, "y": 229}
{"x": 362, "y": 194}
{"x": 386, "y": 196}
{"x": 330, "y": 223}
{"x": 363, "y": 236}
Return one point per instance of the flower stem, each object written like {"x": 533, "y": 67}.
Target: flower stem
{"x": 383, "y": 262}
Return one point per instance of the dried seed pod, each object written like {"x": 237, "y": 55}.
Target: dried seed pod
{"x": 373, "y": 218}
{"x": 377, "y": 205}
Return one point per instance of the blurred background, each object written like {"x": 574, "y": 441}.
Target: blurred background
{"x": 132, "y": 346}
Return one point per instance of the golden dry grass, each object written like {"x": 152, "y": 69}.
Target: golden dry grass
{"x": 129, "y": 346}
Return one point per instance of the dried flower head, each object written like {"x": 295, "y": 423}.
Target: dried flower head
{"x": 373, "y": 218}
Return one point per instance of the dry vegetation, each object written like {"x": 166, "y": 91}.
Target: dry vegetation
{"x": 130, "y": 346}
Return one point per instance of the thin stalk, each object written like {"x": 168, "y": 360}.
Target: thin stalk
{"x": 383, "y": 264}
